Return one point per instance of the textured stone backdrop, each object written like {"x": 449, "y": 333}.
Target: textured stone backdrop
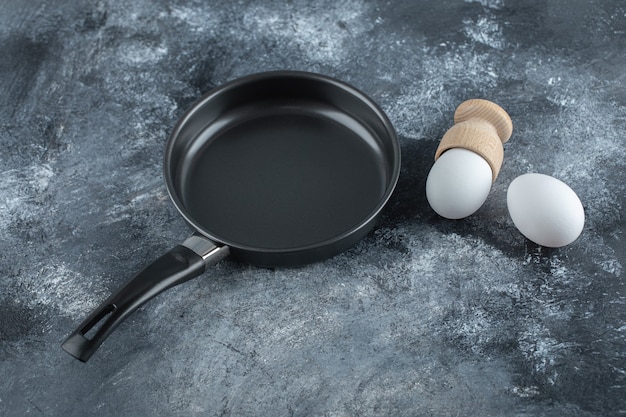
{"x": 425, "y": 316}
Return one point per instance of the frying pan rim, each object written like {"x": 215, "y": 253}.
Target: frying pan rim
{"x": 241, "y": 81}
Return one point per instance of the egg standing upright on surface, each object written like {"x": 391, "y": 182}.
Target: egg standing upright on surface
{"x": 468, "y": 159}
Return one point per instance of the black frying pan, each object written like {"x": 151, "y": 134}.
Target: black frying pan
{"x": 275, "y": 169}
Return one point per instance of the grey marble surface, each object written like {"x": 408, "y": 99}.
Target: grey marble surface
{"x": 425, "y": 316}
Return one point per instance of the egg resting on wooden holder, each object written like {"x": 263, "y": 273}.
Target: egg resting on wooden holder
{"x": 468, "y": 159}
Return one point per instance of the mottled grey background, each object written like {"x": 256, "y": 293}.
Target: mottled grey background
{"x": 425, "y": 316}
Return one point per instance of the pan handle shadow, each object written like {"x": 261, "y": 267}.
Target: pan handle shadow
{"x": 180, "y": 264}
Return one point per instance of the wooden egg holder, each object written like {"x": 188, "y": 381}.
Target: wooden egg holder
{"x": 481, "y": 127}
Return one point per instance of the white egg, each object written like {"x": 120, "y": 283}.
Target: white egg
{"x": 545, "y": 210}
{"x": 458, "y": 183}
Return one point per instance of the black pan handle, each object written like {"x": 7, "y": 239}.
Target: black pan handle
{"x": 180, "y": 264}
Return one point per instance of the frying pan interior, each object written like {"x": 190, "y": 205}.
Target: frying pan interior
{"x": 278, "y": 168}
{"x": 283, "y": 167}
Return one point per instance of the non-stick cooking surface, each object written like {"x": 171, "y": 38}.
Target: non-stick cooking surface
{"x": 283, "y": 176}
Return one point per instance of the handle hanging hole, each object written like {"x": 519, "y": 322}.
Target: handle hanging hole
{"x": 91, "y": 328}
